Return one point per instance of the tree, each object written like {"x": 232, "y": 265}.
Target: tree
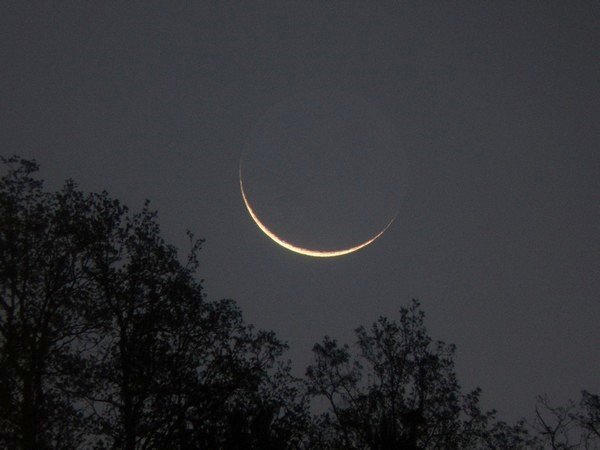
{"x": 570, "y": 426}
{"x": 588, "y": 416}
{"x": 107, "y": 339}
{"x": 170, "y": 368}
{"x": 400, "y": 392}
{"x": 43, "y": 238}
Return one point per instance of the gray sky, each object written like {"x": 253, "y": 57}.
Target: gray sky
{"x": 481, "y": 125}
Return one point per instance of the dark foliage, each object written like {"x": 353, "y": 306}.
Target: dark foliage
{"x": 43, "y": 290}
{"x": 400, "y": 391}
{"x": 570, "y": 426}
{"x": 107, "y": 341}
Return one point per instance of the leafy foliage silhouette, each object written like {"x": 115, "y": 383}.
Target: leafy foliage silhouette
{"x": 570, "y": 426}
{"x": 400, "y": 391}
{"x": 43, "y": 290}
{"x": 108, "y": 341}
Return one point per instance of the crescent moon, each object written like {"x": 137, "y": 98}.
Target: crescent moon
{"x": 301, "y": 250}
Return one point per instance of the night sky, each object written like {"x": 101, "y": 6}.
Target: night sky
{"x": 477, "y": 123}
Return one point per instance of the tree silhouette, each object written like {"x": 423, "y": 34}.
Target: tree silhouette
{"x": 588, "y": 416}
{"x": 570, "y": 426}
{"x": 400, "y": 391}
{"x": 42, "y": 290}
{"x": 170, "y": 368}
{"x": 109, "y": 342}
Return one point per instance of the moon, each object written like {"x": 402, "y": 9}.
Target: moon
{"x": 301, "y": 250}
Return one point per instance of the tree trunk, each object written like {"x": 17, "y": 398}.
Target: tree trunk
{"x": 29, "y": 438}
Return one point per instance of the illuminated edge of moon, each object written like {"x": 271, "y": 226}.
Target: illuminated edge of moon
{"x": 301, "y": 250}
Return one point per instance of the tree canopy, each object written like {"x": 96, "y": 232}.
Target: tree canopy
{"x": 400, "y": 391}
{"x": 108, "y": 341}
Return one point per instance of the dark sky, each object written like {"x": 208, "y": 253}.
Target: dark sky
{"x": 476, "y": 122}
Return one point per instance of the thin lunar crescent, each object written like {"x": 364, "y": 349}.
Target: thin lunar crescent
{"x": 301, "y": 250}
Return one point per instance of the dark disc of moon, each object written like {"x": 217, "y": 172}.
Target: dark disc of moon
{"x": 323, "y": 170}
